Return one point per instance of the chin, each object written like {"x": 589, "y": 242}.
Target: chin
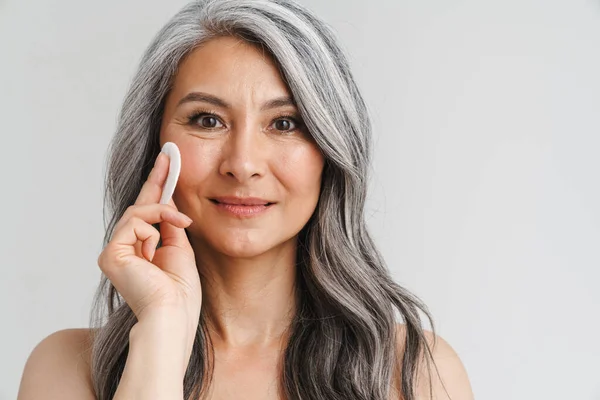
{"x": 247, "y": 246}
{"x": 237, "y": 244}
{"x": 241, "y": 250}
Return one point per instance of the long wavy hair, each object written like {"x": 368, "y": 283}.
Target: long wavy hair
{"x": 343, "y": 338}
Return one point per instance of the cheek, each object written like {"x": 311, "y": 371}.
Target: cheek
{"x": 300, "y": 169}
{"x": 198, "y": 160}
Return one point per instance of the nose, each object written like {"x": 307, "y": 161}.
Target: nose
{"x": 244, "y": 154}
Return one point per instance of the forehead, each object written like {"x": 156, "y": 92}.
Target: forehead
{"x": 228, "y": 66}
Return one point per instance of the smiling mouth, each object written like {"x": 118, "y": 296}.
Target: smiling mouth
{"x": 242, "y": 211}
{"x": 241, "y": 205}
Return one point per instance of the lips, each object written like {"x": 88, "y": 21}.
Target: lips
{"x": 242, "y": 208}
{"x": 242, "y": 201}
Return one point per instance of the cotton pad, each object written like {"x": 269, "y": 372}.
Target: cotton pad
{"x": 171, "y": 150}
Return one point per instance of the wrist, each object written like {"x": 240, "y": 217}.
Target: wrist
{"x": 156, "y": 362}
{"x": 165, "y": 338}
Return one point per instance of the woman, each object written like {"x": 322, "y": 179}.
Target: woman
{"x": 272, "y": 288}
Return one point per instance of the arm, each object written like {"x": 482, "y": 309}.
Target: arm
{"x": 59, "y": 366}
{"x": 159, "y": 352}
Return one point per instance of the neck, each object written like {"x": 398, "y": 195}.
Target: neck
{"x": 248, "y": 301}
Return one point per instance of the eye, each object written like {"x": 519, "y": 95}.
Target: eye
{"x": 287, "y": 123}
{"x": 206, "y": 120}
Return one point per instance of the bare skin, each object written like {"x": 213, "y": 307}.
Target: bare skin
{"x": 247, "y": 265}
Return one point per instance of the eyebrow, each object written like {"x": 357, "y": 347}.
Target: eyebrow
{"x": 214, "y": 100}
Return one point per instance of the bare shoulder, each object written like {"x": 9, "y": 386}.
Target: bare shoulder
{"x": 449, "y": 379}
{"x": 59, "y": 368}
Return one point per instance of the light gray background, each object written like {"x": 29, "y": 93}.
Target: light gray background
{"x": 486, "y": 195}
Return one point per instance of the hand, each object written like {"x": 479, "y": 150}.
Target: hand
{"x": 153, "y": 280}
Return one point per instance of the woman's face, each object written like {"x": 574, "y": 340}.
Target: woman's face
{"x": 241, "y": 144}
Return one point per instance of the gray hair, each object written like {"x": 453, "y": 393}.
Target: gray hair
{"x": 343, "y": 339}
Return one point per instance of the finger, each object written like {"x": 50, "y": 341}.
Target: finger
{"x": 138, "y": 248}
{"x": 121, "y": 251}
{"x": 148, "y": 215}
{"x": 128, "y": 272}
{"x": 152, "y": 188}
{"x": 173, "y": 235}
{"x": 149, "y": 246}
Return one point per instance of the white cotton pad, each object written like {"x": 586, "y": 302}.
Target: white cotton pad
{"x": 172, "y": 151}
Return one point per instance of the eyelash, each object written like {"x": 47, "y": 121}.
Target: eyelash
{"x": 204, "y": 113}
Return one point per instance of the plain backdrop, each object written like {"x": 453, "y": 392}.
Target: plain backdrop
{"x": 485, "y": 198}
